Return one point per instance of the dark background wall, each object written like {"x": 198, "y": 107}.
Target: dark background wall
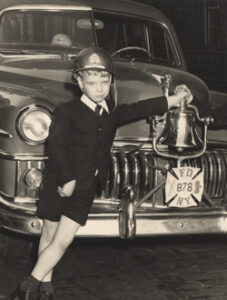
{"x": 201, "y": 26}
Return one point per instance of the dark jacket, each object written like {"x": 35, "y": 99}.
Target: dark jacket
{"x": 79, "y": 141}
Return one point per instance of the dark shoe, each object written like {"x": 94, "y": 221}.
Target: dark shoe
{"x": 24, "y": 295}
{"x": 46, "y": 296}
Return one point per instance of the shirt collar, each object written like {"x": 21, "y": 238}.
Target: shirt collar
{"x": 92, "y": 105}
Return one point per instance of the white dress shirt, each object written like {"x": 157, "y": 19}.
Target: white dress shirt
{"x": 92, "y": 105}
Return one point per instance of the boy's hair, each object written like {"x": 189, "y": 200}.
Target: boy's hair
{"x": 93, "y": 72}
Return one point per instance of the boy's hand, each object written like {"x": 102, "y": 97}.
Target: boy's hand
{"x": 181, "y": 93}
{"x": 67, "y": 189}
{"x": 179, "y": 89}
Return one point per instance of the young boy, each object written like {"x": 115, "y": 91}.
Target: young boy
{"x": 79, "y": 143}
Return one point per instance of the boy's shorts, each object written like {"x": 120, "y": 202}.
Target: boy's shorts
{"x": 76, "y": 207}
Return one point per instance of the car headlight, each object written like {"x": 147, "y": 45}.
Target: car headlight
{"x": 33, "y": 125}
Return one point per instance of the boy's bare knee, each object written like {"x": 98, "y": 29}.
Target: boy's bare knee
{"x": 65, "y": 233}
{"x": 49, "y": 230}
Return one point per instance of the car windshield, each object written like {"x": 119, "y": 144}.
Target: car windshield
{"x": 135, "y": 38}
{"x": 46, "y": 30}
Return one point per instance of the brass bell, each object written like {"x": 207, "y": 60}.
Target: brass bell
{"x": 179, "y": 132}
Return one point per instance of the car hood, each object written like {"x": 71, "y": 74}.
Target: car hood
{"x": 51, "y": 75}
{"x": 46, "y": 80}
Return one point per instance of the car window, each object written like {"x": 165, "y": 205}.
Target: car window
{"x": 119, "y": 32}
{"x": 160, "y": 45}
{"x": 46, "y": 29}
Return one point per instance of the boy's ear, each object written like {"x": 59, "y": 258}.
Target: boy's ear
{"x": 80, "y": 83}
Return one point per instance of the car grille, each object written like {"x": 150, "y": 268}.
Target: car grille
{"x": 143, "y": 170}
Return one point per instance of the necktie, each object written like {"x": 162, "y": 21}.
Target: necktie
{"x": 98, "y": 110}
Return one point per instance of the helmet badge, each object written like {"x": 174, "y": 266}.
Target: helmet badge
{"x": 94, "y": 59}
{"x": 94, "y": 62}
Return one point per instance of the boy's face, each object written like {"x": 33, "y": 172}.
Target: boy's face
{"x": 95, "y": 84}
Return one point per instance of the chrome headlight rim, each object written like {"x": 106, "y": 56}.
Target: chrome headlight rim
{"x": 23, "y": 114}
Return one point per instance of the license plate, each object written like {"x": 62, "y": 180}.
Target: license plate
{"x": 184, "y": 187}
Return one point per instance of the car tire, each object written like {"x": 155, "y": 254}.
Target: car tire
{"x": 14, "y": 245}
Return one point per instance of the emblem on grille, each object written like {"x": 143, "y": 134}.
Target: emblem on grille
{"x": 184, "y": 187}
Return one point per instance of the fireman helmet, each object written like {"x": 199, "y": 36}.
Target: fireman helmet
{"x": 93, "y": 58}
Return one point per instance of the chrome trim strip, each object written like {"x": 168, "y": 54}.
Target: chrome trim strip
{"x": 6, "y": 133}
{"x": 50, "y": 7}
{"x": 24, "y": 157}
{"x": 15, "y": 206}
{"x": 105, "y": 201}
{"x": 17, "y": 199}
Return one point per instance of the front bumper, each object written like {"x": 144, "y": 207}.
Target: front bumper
{"x": 149, "y": 222}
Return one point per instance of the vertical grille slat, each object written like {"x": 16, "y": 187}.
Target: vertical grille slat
{"x": 219, "y": 162}
{"x": 124, "y": 169}
{"x": 205, "y": 172}
{"x": 114, "y": 177}
{"x": 210, "y": 182}
{"x": 144, "y": 176}
{"x": 135, "y": 174}
{"x": 224, "y": 156}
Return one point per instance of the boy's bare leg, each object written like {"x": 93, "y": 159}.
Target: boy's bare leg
{"x": 50, "y": 256}
{"x": 48, "y": 231}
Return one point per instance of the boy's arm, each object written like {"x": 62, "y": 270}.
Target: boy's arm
{"x": 136, "y": 111}
{"x": 154, "y": 106}
{"x": 56, "y": 142}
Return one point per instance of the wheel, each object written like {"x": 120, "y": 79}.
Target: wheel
{"x": 132, "y": 48}
{"x": 14, "y": 245}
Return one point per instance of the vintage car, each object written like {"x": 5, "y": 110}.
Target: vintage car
{"x": 165, "y": 176}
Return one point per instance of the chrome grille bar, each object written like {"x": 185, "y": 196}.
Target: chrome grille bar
{"x": 135, "y": 173}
